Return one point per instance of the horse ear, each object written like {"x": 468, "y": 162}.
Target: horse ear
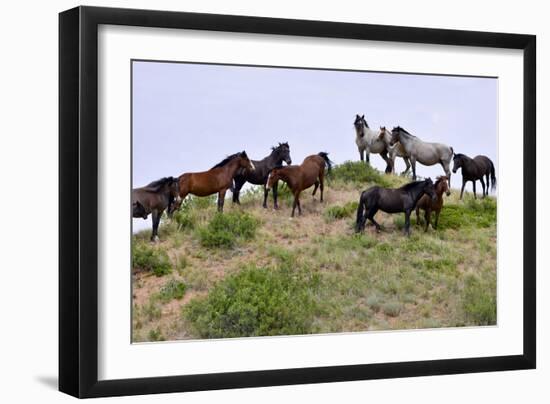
{"x": 363, "y": 117}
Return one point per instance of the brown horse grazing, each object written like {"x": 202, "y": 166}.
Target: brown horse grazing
{"x": 154, "y": 199}
{"x": 218, "y": 179}
{"x": 310, "y": 172}
{"x": 428, "y": 205}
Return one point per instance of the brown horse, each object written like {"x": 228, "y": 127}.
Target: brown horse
{"x": 428, "y": 205}
{"x": 310, "y": 172}
{"x": 218, "y": 179}
{"x": 154, "y": 199}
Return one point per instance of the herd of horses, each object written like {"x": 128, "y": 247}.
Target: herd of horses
{"x": 168, "y": 193}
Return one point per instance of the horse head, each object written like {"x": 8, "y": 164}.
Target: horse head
{"x": 395, "y": 135}
{"x": 442, "y": 185}
{"x": 244, "y": 162}
{"x": 457, "y": 162}
{"x": 282, "y": 153}
{"x": 360, "y": 123}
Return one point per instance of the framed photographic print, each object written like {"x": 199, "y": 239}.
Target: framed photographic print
{"x": 250, "y": 201}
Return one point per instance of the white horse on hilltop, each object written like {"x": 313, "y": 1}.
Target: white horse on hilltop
{"x": 368, "y": 141}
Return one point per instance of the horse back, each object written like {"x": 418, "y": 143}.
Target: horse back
{"x": 484, "y": 163}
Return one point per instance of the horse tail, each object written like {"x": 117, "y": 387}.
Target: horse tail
{"x": 329, "y": 163}
{"x": 493, "y": 177}
{"x": 360, "y": 221}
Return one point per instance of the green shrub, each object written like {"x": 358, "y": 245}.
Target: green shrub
{"x": 340, "y": 212}
{"x": 256, "y": 302}
{"x": 155, "y": 335}
{"x": 480, "y": 303}
{"x": 173, "y": 289}
{"x": 148, "y": 258}
{"x": 473, "y": 213}
{"x": 392, "y": 308}
{"x": 359, "y": 172}
{"x": 226, "y": 229}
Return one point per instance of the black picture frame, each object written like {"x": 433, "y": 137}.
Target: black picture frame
{"x": 78, "y": 201}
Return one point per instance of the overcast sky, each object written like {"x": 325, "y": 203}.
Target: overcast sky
{"x": 188, "y": 117}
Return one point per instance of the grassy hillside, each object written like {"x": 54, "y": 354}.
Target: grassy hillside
{"x": 253, "y": 271}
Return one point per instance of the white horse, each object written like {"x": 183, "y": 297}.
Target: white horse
{"x": 425, "y": 153}
{"x": 397, "y": 150}
{"x": 368, "y": 141}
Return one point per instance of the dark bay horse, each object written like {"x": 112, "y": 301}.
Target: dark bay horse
{"x": 310, "y": 172}
{"x": 154, "y": 199}
{"x": 261, "y": 171}
{"x": 391, "y": 200}
{"x": 216, "y": 180}
{"x": 428, "y": 205}
{"x": 475, "y": 169}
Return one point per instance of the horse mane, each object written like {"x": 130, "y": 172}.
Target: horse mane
{"x": 157, "y": 185}
{"x": 227, "y": 160}
{"x": 411, "y": 185}
{"x": 462, "y": 156}
{"x": 403, "y": 130}
{"x": 273, "y": 148}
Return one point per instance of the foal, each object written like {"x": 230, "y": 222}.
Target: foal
{"x": 310, "y": 172}
{"x": 428, "y": 205}
{"x": 216, "y": 180}
{"x": 391, "y": 200}
{"x": 475, "y": 169}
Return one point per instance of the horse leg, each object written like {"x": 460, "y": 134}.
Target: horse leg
{"x": 488, "y": 183}
{"x": 408, "y": 222}
{"x": 463, "y": 185}
{"x": 221, "y": 199}
{"x": 370, "y": 215}
{"x": 237, "y": 189}
{"x": 297, "y": 197}
{"x": 315, "y": 188}
{"x": 322, "y": 183}
{"x": 428, "y": 217}
{"x": 437, "y": 212}
{"x": 413, "y": 164}
{"x": 483, "y": 187}
{"x": 417, "y": 216}
{"x": 275, "y": 205}
{"x": 367, "y": 156}
{"x": 474, "y": 186}
{"x": 389, "y": 168}
{"x": 156, "y": 219}
{"x": 447, "y": 171}
{"x": 362, "y": 154}
{"x": 266, "y": 193}
{"x": 408, "y": 166}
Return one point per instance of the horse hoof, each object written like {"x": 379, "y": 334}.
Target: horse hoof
{"x": 155, "y": 239}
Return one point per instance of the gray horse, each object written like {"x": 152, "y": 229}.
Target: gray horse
{"x": 394, "y": 151}
{"x": 367, "y": 141}
{"x": 425, "y": 153}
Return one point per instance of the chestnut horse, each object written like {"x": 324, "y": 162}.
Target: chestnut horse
{"x": 218, "y": 179}
{"x": 310, "y": 172}
{"x": 428, "y": 205}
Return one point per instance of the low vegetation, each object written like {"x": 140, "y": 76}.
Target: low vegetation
{"x": 253, "y": 271}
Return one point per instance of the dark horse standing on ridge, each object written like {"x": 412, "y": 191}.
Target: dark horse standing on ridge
{"x": 391, "y": 200}
{"x": 475, "y": 169}
{"x": 262, "y": 168}
{"x": 154, "y": 199}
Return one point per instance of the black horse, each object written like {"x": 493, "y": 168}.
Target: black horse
{"x": 474, "y": 169}
{"x": 262, "y": 169}
{"x": 391, "y": 200}
{"x": 154, "y": 199}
